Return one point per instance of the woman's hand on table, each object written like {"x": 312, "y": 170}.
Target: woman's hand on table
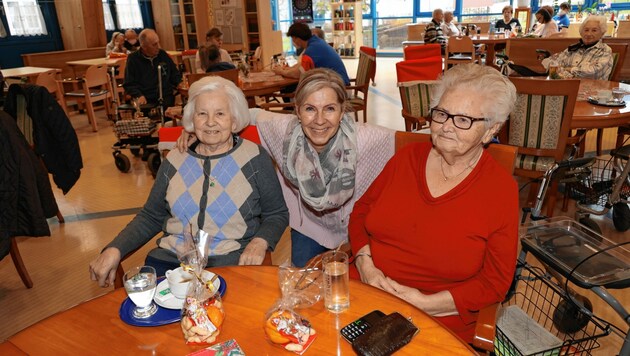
{"x": 371, "y": 275}
{"x": 254, "y": 252}
{"x": 103, "y": 268}
{"x": 185, "y": 140}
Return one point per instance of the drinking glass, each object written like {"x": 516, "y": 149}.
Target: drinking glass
{"x": 336, "y": 281}
{"x": 618, "y": 94}
{"x": 140, "y": 284}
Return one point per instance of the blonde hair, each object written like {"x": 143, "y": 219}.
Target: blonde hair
{"x": 318, "y": 79}
{"x": 494, "y": 92}
{"x": 212, "y": 84}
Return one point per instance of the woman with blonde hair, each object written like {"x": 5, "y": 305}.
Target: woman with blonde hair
{"x": 116, "y": 45}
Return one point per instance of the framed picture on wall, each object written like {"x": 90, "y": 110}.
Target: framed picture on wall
{"x": 303, "y": 11}
{"x": 218, "y": 17}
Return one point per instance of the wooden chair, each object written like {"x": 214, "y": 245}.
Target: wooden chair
{"x": 415, "y": 31}
{"x": 540, "y": 125}
{"x": 120, "y": 79}
{"x": 19, "y": 264}
{"x": 96, "y": 87}
{"x": 415, "y": 79}
{"x": 422, "y": 51}
{"x": 49, "y": 81}
{"x": 459, "y": 49}
{"x": 485, "y": 326}
{"x": 189, "y": 58}
{"x": 230, "y": 74}
{"x": 623, "y": 29}
{"x": 366, "y": 72}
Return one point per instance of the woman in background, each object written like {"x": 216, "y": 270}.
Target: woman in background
{"x": 116, "y": 45}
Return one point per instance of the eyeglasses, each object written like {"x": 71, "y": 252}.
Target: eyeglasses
{"x": 462, "y": 122}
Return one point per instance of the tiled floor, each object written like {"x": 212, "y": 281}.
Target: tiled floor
{"x": 104, "y": 200}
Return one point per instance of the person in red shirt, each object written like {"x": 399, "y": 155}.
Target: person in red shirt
{"x": 438, "y": 228}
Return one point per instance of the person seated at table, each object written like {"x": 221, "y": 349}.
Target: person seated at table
{"x": 141, "y": 72}
{"x": 211, "y": 61}
{"x": 116, "y": 45}
{"x": 131, "y": 40}
{"x": 214, "y": 36}
{"x": 448, "y": 27}
{"x": 317, "y": 54}
{"x": 545, "y": 26}
{"x": 325, "y": 161}
{"x": 562, "y": 18}
{"x": 508, "y": 22}
{"x": 589, "y": 58}
{"x": 433, "y": 30}
{"x": 438, "y": 228}
{"x": 317, "y": 31}
{"x": 230, "y": 180}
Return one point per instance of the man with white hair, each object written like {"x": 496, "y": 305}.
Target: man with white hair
{"x": 448, "y": 27}
{"x": 590, "y": 58}
{"x": 433, "y": 31}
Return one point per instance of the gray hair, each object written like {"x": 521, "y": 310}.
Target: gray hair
{"x": 496, "y": 93}
{"x": 437, "y": 11}
{"x": 601, "y": 21}
{"x": 146, "y": 33}
{"x": 212, "y": 84}
{"x": 317, "y": 79}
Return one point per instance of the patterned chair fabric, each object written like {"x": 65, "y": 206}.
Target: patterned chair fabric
{"x": 416, "y": 102}
{"x": 535, "y": 123}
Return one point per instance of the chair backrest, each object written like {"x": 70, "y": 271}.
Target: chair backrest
{"x": 541, "y": 121}
{"x": 96, "y": 75}
{"x": 189, "y": 58}
{"x": 483, "y": 26}
{"x": 422, "y": 51}
{"x": 229, "y": 74}
{"x": 623, "y": 29}
{"x": 619, "y": 51}
{"x": 366, "y": 70}
{"x": 460, "y": 44}
{"x": 416, "y": 98}
{"x": 48, "y": 80}
{"x": 419, "y": 69}
{"x": 415, "y": 32}
{"x": 503, "y": 154}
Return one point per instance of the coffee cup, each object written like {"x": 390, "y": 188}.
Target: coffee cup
{"x": 604, "y": 96}
{"x": 178, "y": 281}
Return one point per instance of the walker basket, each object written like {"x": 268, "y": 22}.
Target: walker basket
{"x": 137, "y": 127}
{"x": 544, "y": 308}
{"x": 594, "y": 190}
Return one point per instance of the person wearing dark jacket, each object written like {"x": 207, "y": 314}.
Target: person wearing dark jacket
{"x": 141, "y": 76}
{"x": 210, "y": 56}
{"x": 26, "y": 197}
{"x": 54, "y": 138}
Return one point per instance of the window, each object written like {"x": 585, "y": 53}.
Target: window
{"x": 128, "y": 14}
{"x": 107, "y": 14}
{"x": 24, "y": 18}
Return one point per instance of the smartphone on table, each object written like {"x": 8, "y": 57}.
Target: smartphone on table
{"x": 361, "y": 325}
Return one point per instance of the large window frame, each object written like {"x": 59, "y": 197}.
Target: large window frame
{"x": 24, "y": 18}
{"x": 132, "y": 20}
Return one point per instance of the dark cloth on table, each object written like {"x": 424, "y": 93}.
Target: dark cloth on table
{"x": 26, "y": 197}
{"x": 141, "y": 77}
{"x": 131, "y": 47}
{"x": 219, "y": 67}
{"x": 501, "y": 25}
{"x": 54, "y": 137}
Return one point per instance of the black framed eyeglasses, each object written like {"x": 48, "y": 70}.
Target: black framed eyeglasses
{"x": 462, "y": 122}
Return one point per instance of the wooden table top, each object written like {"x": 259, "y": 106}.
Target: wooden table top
{"x": 95, "y": 327}
{"x": 26, "y": 71}
{"x": 96, "y": 61}
{"x": 591, "y": 116}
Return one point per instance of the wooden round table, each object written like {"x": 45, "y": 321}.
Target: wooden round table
{"x": 592, "y": 116}
{"x": 94, "y": 327}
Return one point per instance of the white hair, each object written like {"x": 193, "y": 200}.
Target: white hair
{"x": 601, "y": 21}
{"x": 211, "y": 84}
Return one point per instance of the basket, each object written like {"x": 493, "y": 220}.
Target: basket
{"x": 136, "y": 127}
{"x": 594, "y": 190}
{"x": 539, "y": 298}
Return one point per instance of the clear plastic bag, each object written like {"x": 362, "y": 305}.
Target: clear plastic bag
{"x": 301, "y": 288}
{"x": 202, "y": 314}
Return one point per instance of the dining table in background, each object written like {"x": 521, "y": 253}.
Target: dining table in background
{"x": 80, "y": 65}
{"x": 30, "y": 73}
{"x": 489, "y": 40}
{"x": 592, "y": 116}
{"x": 94, "y": 327}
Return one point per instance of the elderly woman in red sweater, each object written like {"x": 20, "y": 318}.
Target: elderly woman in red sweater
{"x": 439, "y": 226}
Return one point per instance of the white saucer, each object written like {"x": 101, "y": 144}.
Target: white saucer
{"x": 165, "y": 299}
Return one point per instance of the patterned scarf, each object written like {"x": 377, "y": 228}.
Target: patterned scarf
{"x": 325, "y": 180}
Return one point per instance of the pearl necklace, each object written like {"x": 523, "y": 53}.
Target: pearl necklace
{"x": 470, "y": 165}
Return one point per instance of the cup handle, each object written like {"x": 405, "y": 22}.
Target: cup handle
{"x": 167, "y": 273}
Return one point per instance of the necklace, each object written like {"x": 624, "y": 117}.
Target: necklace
{"x": 470, "y": 165}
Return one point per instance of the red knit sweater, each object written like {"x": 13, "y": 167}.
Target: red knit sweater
{"x": 464, "y": 241}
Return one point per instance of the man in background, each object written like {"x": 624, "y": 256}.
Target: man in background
{"x": 214, "y": 36}
{"x": 141, "y": 73}
{"x": 317, "y": 54}
{"x": 448, "y": 27}
{"x": 131, "y": 43}
{"x": 433, "y": 32}
{"x": 562, "y": 18}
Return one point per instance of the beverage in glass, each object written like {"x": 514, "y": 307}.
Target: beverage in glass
{"x": 140, "y": 284}
{"x": 336, "y": 281}
{"x": 618, "y": 95}
{"x": 553, "y": 69}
